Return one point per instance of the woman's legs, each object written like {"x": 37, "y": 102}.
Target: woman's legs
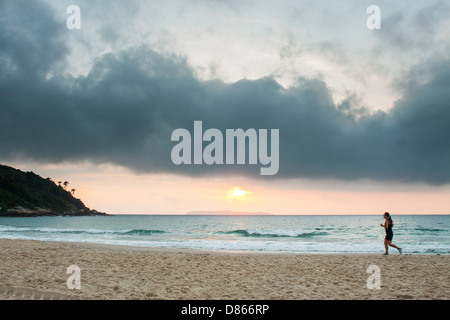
{"x": 386, "y": 245}
{"x": 391, "y": 245}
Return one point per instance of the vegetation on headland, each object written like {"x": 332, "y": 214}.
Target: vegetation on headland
{"x": 26, "y": 194}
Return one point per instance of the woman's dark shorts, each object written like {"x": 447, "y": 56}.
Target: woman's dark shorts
{"x": 389, "y": 235}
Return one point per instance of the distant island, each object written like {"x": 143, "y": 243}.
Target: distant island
{"x": 228, "y": 213}
{"x": 25, "y": 194}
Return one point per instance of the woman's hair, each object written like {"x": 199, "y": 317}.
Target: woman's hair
{"x": 391, "y": 223}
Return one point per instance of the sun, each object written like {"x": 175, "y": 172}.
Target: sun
{"x": 237, "y": 193}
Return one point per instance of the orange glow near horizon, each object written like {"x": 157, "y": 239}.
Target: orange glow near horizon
{"x": 241, "y": 199}
{"x": 117, "y": 190}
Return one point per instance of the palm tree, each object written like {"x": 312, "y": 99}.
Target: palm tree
{"x": 66, "y": 183}
{"x": 73, "y": 191}
{"x": 59, "y": 184}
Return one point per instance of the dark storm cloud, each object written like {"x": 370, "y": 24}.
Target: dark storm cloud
{"x": 406, "y": 30}
{"x": 125, "y": 109}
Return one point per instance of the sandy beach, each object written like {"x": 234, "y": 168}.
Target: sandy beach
{"x": 37, "y": 270}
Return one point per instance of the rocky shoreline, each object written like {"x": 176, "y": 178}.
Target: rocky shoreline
{"x": 40, "y": 212}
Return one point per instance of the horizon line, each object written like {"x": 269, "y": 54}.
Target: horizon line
{"x": 273, "y": 214}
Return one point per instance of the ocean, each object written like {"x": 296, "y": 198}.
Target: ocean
{"x": 420, "y": 234}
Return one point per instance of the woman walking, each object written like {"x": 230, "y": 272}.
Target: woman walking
{"x": 388, "y": 224}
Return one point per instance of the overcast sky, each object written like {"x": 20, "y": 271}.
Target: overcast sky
{"x": 351, "y": 104}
